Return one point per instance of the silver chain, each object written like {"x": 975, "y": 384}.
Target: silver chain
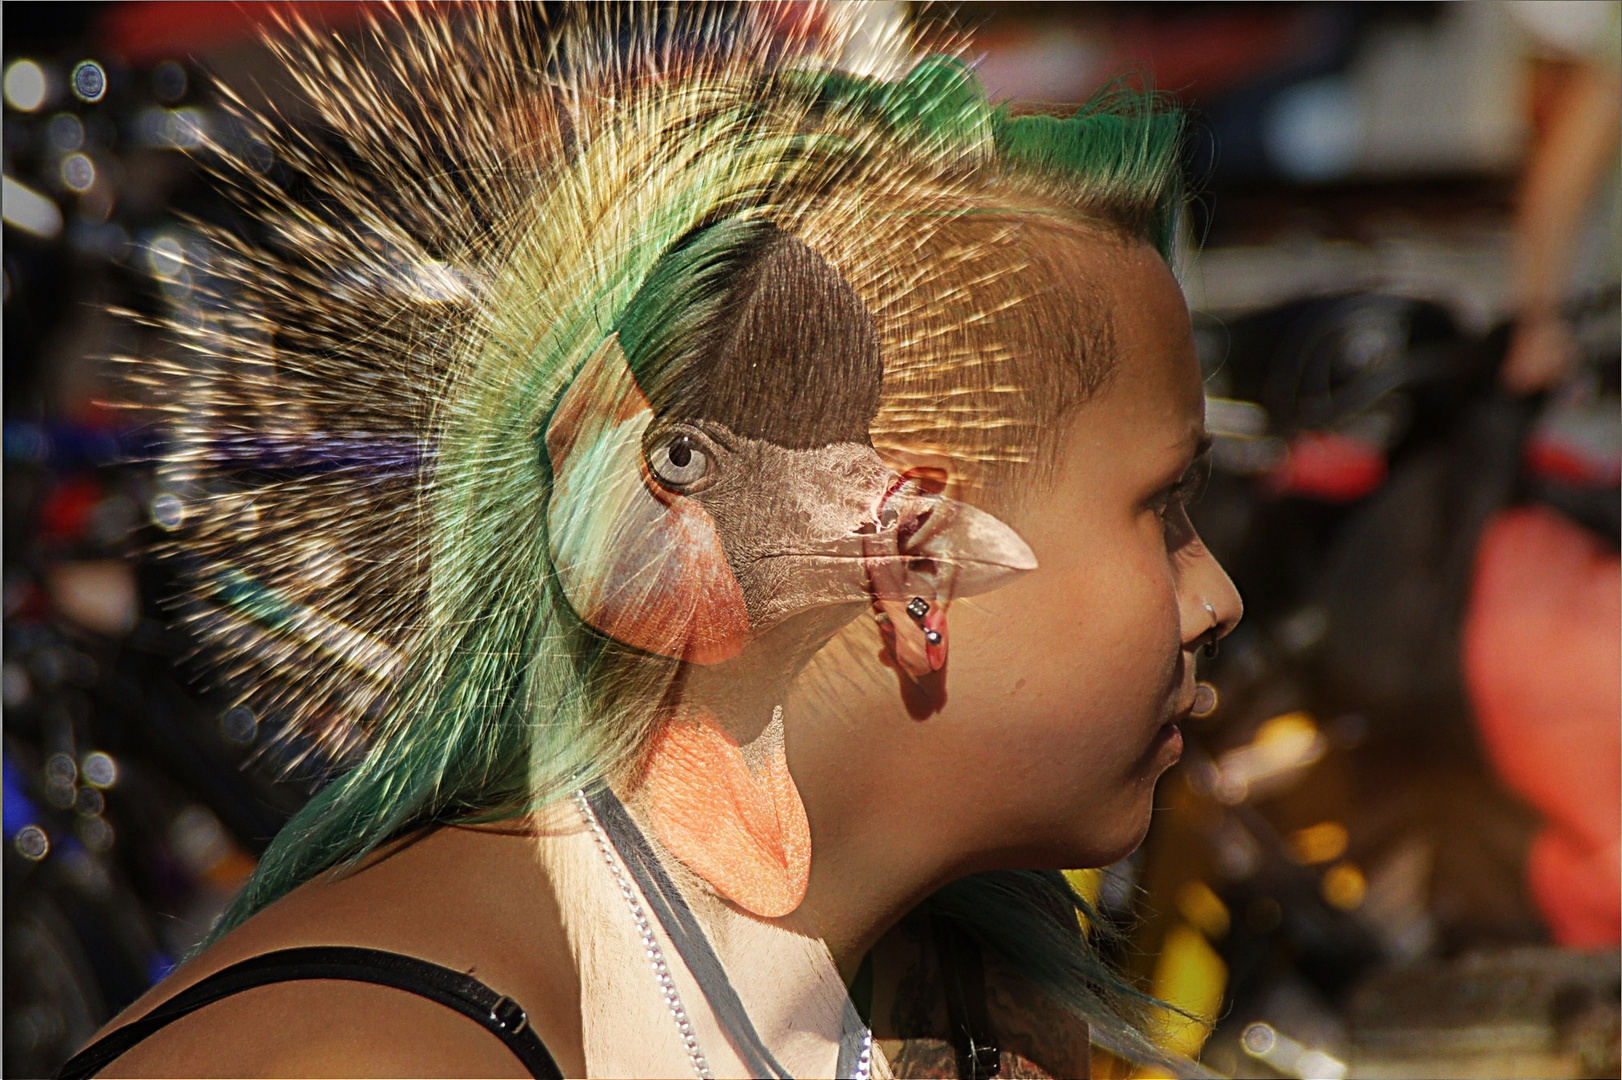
{"x": 661, "y": 970}
{"x": 864, "y": 1064}
{"x": 650, "y": 946}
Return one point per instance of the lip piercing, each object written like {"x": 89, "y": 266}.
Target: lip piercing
{"x": 1211, "y": 642}
{"x": 1205, "y": 701}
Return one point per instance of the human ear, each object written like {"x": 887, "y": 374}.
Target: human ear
{"x": 934, "y": 472}
{"x": 933, "y": 549}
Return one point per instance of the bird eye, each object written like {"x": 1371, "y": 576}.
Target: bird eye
{"x": 679, "y": 461}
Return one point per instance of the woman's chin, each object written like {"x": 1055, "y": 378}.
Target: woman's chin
{"x": 1106, "y": 847}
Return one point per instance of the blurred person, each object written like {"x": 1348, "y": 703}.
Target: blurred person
{"x": 734, "y": 521}
{"x": 1542, "y": 642}
{"x": 1568, "y": 222}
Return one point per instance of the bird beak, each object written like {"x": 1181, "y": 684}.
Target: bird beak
{"x": 915, "y": 552}
{"x": 942, "y": 549}
{"x": 968, "y": 547}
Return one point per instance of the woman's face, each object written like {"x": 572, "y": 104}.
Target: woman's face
{"x": 1063, "y": 688}
{"x": 1068, "y": 684}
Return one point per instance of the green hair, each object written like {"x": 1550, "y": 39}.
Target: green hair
{"x": 513, "y": 702}
{"x": 1116, "y": 158}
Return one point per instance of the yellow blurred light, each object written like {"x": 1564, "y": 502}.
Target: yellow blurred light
{"x": 1191, "y": 976}
{"x": 1281, "y": 749}
{"x": 1321, "y": 843}
{"x": 25, "y": 85}
{"x": 1089, "y": 885}
{"x": 1344, "y": 886}
{"x": 1288, "y": 737}
{"x": 1204, "y": 909}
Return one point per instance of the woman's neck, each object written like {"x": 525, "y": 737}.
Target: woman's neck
{"x": 876, "y": 849}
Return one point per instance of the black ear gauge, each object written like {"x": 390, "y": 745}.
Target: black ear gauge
{"x": 918, "y": 608}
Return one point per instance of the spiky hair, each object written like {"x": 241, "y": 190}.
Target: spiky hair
{"x": 358, "y": 405}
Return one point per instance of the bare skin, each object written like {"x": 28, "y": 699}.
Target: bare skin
{"x": 1560, "y": 178}
{"x": 1064, "y": 690}
{"x": 1061, "y": 684}
{"x": 470, "y": 899}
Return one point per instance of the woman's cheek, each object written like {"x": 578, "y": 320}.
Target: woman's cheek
{"x": 1156, "y": 573}
{"x": 1158, "y": 634}
{"x": 1138, "y": 629}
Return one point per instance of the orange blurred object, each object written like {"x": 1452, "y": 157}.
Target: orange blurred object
{"x": 1543, "y": 666}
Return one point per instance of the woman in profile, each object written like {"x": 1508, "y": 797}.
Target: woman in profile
{"x": 725, "y": 519}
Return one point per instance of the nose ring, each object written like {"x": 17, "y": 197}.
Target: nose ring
{"x": 1211, "y": 642}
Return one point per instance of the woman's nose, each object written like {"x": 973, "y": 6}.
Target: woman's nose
{"x": 1211, "y": 606}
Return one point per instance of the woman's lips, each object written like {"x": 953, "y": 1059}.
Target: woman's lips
{"x": 1171, "y": 733}
{"x": 1166, "y": 747}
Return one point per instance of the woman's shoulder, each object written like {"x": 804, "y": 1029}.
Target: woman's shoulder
{"x": 320, "y": 1028}
{"x": 469, "y": 900}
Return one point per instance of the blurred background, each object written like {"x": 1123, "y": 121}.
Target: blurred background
{"x": 1391, "y": 849}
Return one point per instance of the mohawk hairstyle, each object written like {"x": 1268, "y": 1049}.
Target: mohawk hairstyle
{"x": 355, "y": 402}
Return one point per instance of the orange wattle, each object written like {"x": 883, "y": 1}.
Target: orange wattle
{"x": 745, "y": 834}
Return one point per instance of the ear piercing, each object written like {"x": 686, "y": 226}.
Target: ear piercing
{"x": 1211, "y": 641}
{"x": 918, "y": 607}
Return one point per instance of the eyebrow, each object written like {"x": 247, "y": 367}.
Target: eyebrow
{"x": 1200, "y": 449}
{"x": 1198, "y": 452}
{"x": 1201, "y": 452}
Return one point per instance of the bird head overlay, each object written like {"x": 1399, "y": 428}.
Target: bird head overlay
{"x": 548, "y": 361}
{"x": 753, "y": 493}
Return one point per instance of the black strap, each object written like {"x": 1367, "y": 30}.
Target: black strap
{"x": 499, "y": 1015}
{"x": 968, "y": 1024}
{"x": 671, "y": 909}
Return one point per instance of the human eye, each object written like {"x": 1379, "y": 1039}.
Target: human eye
{"x": 1172, "y": 502}
{"x": 1183, "y": 492}
{"x": 1191, "y": 485}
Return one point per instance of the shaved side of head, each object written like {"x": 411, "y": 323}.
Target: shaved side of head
{"x": 746, "y": 326}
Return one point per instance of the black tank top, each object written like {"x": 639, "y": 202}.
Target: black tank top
{"x": 501, "y": 1016}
